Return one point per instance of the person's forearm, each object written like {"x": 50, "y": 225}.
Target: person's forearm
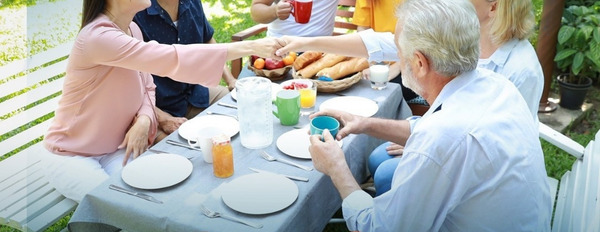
{"x": 240, "y": 49}
{"x": 262, "y": 13}
{"x": 264, "y": 47}
{"x": 143, "y": 121}
{"x": 226, "y": 72}
{"x": 228, "y": 77}
{"x": 338, "y": 44}
{"x": 396, "y": 131}
{"x": 161, "y": 116}
{"x": 343, "y": 180}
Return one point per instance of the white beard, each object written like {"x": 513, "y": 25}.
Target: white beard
{"x": 410, "y": 81}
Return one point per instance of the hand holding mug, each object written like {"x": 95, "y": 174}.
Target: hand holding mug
{"x": 283, "y": 9}
{"x": 326, "y": 154}
{"x": 349, "y": 123}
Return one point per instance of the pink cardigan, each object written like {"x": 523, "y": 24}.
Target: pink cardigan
{"x": 108, "y": 84}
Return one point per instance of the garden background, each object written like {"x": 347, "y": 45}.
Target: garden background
{"x": 28, "y": 27}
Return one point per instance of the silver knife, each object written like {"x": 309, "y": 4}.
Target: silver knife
{"x": 288, "y": 176}
{"x": 217, "y": 113}
{"x": 226, "y": 105}
{"x": 173, "y": 142}
{"x": 164, "y": 152}
{"x": 136, "y": 194}
{"x": 157, "y": 151}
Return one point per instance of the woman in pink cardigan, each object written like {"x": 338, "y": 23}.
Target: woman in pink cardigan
{"x": 106, "y": 115}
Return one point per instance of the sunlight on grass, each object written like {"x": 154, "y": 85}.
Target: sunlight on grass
{"x": 12, "y": 34}
{"x": 30, "y": 30}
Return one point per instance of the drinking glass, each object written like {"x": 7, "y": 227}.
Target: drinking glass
{"x": 308, "y": 98}
{"x": 379, "y": 74}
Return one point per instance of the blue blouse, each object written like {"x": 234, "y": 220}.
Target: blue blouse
{"x": 192, "y": 26}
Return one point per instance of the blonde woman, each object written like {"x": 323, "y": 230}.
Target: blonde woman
{"x": 505, "y": 27}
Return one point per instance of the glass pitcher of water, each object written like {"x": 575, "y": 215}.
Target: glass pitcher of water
{"x": 254, "y": 112}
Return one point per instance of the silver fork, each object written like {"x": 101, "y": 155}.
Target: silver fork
{"x": 268, "y": 157}
{"x": 213, "y": 214}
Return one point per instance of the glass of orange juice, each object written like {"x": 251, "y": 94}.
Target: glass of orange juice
{"x": 308, "y": 98}
{"x": 222, "y": 156}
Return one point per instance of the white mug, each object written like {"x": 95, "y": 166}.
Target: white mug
{"x": 204, "y": 141}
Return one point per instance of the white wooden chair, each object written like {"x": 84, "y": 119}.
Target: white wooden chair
{"x": 27, "y": 201}
{"x": 577, "y": 207}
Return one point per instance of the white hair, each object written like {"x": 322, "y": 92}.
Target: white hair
{"x": 445, "y": 31}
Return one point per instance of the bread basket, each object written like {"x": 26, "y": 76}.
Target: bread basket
{"x": 273, "y": 74}
{"x": 336, "y": 85}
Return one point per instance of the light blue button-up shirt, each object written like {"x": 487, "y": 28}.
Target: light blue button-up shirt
{"x": 473, "y": 164}
{"x": 517, "y": 61}
{"x": 379, "y": 45}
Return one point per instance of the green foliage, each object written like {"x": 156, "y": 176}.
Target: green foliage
{"x": 578, "y": 49}
{"x": 16, "y": 3}
{"x": 220, "y": 12}
{"x": 557, "y": 161}
{"x": 580, "y": 2}
{"x": 537, "y": 10}
{"x": 9, "y": 3}
{"x": 7, "y": 229}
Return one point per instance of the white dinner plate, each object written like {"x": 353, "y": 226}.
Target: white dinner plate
{"x": 190, "y": 129}
{"x": 274, "y": 89}
{"x": 260, "y": 193}
{"x": 156, "y": 171}
{"x": 309, "y": 83}
{"x": 295, "y": 143}
{"x": 355, "y": 105}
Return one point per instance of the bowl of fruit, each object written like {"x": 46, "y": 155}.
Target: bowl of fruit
{"x": 270, "y": 68}
{"x": 296, "y": 84}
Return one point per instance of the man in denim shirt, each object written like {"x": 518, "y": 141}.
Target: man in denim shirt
{"x": 180, "y": 22}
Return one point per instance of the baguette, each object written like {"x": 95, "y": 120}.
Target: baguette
{"x": 345, "y": 68}
{"x": 326, "y": 61}
{"x": 305, "y": 59}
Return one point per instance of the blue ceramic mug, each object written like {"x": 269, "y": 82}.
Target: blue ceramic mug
{"x": 320, "y": 123}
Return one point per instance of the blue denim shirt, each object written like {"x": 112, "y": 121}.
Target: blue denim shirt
{"x": 172, "y": 96}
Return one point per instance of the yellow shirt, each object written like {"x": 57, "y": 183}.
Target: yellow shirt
{"x": 376, "y": 14}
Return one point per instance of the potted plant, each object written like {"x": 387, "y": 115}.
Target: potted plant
{"x": 578, "y": 53}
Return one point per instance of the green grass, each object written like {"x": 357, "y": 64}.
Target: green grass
{"x": 17, "y": 40}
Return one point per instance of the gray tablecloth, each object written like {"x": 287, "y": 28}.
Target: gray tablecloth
{"x": 105, "y": 210}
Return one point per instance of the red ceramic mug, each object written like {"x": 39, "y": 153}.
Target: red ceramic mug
{"x": 301, "y": 10}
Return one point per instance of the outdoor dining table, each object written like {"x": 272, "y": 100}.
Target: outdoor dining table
{"x": 103, "y": 209}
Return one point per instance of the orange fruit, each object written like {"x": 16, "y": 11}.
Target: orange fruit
{"x": 294, "y": 55}
{"x": 288, "y": 60}
{"x": 259, "y": 63}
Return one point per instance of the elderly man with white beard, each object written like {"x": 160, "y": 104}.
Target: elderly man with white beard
{"x": 472, "y": 163}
